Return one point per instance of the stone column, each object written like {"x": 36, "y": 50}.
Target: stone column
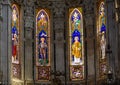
{"x": 28, "y": 27}
{"x": 111, "y": 34}
{"x": 89, "y": 28}
{"x": 5, "y": 37}
{"x": 0, "y": 39}
{"x": 119, "y": 37}
{"x": 58, "y": 29}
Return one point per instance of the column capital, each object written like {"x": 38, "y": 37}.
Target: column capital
{"x": 58, "y": 9}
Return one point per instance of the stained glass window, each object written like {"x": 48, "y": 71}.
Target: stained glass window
{"x": 43, "y": 45}
{"x": 101, "y": 31}
{"x": 15, "y": 41}
{"x": 76, "y": 44}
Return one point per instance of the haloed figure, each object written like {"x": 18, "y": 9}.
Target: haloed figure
{"x": 76, "y": 51}
{"x": 103, "y": 45}
{"x": 43, "y": 48}
{"x": 15, "y": 44}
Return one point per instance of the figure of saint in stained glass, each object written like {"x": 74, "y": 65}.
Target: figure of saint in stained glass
{"x": 76, "y": 50}
{"x": 76, "y": 44}
{"x": 42, "y": 26}
{"x": 14, "y": 45}
{"x": 103, "y": 45}
{"x": 43, "y": 60}
{"x": 102, "y": 31}
{"x": 43, "y": 45}
{"x": 14, "y": 36}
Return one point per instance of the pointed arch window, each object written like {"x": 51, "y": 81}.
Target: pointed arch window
{"x": 101, "y": 34}
{"x": 15, "y": 41}
{"x": 76, "y": 44}
{"x": 43, "y": 45}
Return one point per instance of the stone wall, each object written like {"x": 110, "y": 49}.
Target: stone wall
{"x": 5, "y": 41}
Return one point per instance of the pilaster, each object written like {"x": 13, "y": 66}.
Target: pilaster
{"x": 5, "y": 41}
{"x": 118, "y": 37}
{"x": 58, "y": 28}
{"x": 1, "y": 73}
{"x": 28, "y": 43}
{"x": 89, "y": 26}
{"x": 111, "y": 34}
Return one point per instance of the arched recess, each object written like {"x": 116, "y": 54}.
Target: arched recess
{"x": 76, "y": 44}
{"x": 101, "y": 39}
{"x": 43, "y": 58}
{"x": 15, "y": 31}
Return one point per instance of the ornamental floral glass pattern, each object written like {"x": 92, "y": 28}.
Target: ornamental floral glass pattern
{"x": 76, "y": 44}
{"x": 102, "y": 40}
{"x": 43, "y": 45}
{"x": 15, "y": 42}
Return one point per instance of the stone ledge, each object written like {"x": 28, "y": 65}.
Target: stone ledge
{"x": 17, "y": 82}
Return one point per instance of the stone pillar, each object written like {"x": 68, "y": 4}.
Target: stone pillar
{"x": 58, "y": 29}
{"x": 111, "y": 34}
{"x": 28, "y": 27}
{"x": 5, "y": 43}
{"x": 0, "y": 40}
{"x": 89, "y": 28}
{"x": 119, "y": 45}
{"x": 119, "y": 37}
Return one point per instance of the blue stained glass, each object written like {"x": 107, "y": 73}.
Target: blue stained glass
{"x": 76, "y": 44}
{"x": 42, "y": 34}
{"x": 76, "y": 33}
{"x": 14, "y": 30}
{"x": 43, "y": 47}
{"x": 103, "y": 28}
{"x": 78, "y": 15}
{"x": 102, "y": 42}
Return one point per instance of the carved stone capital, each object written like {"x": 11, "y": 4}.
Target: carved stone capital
{"x": 29, "y": 21}
{"x": 58, "y": 23}
{"x": 59, "y": 9}
{"x": 73, "y": 3}
{"x": 89, "y": 19}
{"x": 43, "y": 3}
{"x": 88, "y": 6}
{"x": 30, "y": 2}
{"x": 29, "y": 11}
